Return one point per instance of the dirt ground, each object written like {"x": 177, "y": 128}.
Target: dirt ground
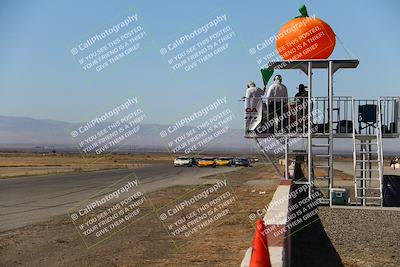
{"x": 146, "y": 242}
{"x": 22, "y": 164}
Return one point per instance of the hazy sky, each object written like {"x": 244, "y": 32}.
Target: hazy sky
{"x": 40, "y": 78}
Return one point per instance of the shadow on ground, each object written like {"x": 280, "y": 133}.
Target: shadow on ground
{"x": 310, "y": 245}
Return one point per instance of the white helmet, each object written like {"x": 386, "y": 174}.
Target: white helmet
{"x": 278, "y": 78}
{"x": 251, "y": 84}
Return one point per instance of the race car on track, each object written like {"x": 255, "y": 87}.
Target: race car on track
{"x": 224, "y": 161}
{"x": 206, "y": 162}
{"x": 242, "y": 162}
{"x": 183, "y": 161}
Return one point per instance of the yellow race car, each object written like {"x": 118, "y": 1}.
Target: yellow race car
{"x": 207, "y": 162}
{"x": 224, "y": 161}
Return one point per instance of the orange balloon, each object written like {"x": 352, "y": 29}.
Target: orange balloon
{"x": 305, "y": 38}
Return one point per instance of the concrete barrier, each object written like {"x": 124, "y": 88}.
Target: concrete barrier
{"x": 276, "y": 219}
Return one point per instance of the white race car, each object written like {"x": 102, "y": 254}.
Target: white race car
{"x": 183, "y": 161}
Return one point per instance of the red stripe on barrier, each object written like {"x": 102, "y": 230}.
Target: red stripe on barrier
{"x": 276, "y": 234}
{"x": 286, "y": 182}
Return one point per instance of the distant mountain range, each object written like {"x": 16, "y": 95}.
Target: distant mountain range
{"x": 25, "y": 133}
{"x": 35, "y": 134}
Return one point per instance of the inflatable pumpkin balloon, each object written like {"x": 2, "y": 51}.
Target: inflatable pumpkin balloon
{"x": 305, "y": 37}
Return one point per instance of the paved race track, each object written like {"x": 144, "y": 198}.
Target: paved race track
{"x": 27, "y": 200}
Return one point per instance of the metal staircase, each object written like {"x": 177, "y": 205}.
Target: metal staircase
{"x": 368, "y": 164}
{"x": 321, "y": 166}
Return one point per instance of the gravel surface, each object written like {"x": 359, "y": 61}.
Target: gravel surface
{"x": 363, "y": 237}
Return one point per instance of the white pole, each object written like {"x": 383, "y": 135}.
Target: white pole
{"x": 330, "y": 97}
{"x": 309, "y": 125}
{"x": 286, "y": 158}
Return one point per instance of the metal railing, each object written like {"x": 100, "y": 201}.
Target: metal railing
{"x": 368, "y": 115}
{"x": 284, "y": 115}
{"x": 389, "y": 109}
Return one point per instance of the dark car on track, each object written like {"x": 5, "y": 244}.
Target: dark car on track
{"x": 241, "y": 162}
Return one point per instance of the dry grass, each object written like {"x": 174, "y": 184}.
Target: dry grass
{"x": 20, "y": 164}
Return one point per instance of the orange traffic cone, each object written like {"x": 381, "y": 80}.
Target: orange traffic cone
{"x": 260, "y": 255}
